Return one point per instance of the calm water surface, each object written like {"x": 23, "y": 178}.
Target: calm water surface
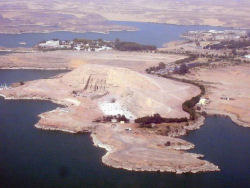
{"x": 4, "y": 52}
{"x": 11, "y": 76}
{"x": 148, "y": 33}
{"x": 34, "y": 158}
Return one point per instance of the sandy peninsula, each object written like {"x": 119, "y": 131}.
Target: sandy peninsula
{"x": 89, "y": 89}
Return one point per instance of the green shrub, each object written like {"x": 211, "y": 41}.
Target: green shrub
{"x": 157, "y": 119}
{"x": 132, "y": 46}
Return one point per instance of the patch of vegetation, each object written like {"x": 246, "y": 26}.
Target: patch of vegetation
{"x": 183, "y": 69}
{"x": 109, "y": 118}
{"x": 132, "y": 46}
{"x": 154, "y": 69}
{"x": 191, "y": 57}
{"x": 232, "y": 44}
{"x": 157, "y": 119}
{"x": 92, "y": 43}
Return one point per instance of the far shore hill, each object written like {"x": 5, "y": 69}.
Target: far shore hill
{"x": 36, "y": 16}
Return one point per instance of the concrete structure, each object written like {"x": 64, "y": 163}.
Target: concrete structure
{"x": 203, "y": 102}
{"x": 114, "y": 120}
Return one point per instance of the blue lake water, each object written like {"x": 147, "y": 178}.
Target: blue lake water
{"x": 148, "y": 33}
{"x": 4, "y": 52}
{"x": 11, "y": 76}
{"x": 30, "y": 157}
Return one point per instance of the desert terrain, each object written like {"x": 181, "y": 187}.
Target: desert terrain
{"x": 85, "y": 15}
{"x": 138, "y": 61}
{"x": 227, "y": 13}
{"x": 220, "y": 62}
{"x": 227, "y": 90}
{"x": 45, "y": 16}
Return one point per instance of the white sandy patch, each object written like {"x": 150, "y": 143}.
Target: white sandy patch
{"x": 109, "y": 108}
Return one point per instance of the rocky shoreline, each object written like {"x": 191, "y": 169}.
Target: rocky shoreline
{"x": 133, "y": 165}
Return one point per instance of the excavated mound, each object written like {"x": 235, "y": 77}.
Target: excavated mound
{"x": 129, "y": 92}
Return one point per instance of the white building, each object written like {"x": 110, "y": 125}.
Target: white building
{"x": 102, "y": 48}
{"x": 78, "y": 48}
{"x": 50, "y": 44}
{"x": 247, "y": 56}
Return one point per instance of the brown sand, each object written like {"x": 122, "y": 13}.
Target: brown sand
{"x": 229, "y": 82}
{"x": 138, "y": 61}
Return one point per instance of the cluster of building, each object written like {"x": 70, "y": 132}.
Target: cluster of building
{"x": 77, "y": 44}
{"x": 213, "y": 43}
{"x": 214, "y": 35}
{"x": 176, "y": 68}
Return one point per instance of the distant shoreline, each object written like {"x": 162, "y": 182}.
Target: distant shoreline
{"x": 80, "y": 32}
{"x": 32, "y": 68}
